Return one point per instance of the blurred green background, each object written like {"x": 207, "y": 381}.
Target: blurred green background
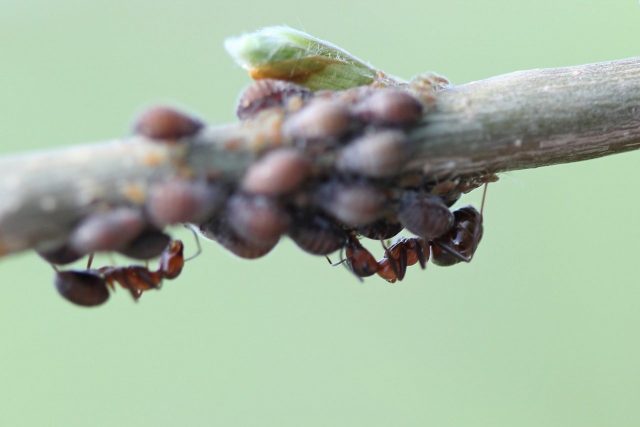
{"x": 538, "y": 330}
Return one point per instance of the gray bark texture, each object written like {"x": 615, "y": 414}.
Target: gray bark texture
{"x": 515, "y": 121}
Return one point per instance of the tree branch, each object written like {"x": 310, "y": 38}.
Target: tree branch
{"x": 515, "y": 121}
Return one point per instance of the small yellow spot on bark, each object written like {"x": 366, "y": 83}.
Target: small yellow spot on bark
{"x": 154, "y": 158}
{"x": 134, "y": 192}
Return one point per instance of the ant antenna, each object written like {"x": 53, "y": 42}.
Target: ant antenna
{"x": 453, "y": 252}
{"x": 197, "y": 239}
{"x": 90, "y": 261}
{"x": 484, "y": 196}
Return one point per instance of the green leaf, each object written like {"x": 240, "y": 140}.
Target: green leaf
{"x": 284, "y": 53}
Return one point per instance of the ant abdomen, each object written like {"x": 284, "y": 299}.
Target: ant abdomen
{"x": 85, "y": 288}
{"x": 461, "y": 242}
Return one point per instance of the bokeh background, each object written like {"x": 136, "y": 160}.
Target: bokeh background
{"x": 540, "y": 329}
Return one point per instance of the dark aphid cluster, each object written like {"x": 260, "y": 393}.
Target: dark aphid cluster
{"x": 335, "y": 175}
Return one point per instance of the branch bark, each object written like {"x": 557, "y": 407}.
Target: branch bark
{"x": 515, "y": 121}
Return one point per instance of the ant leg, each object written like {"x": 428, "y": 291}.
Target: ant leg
{"x": 402, "y": 268}
{"x": 198, "y": 246}
{"x": 420, "y": 253}
{"x": 453, "y": 252}
{"x": 90, "y": 261}
{"x": 342, "y": 259}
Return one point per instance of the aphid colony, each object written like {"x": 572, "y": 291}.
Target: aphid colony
{"x": 334, "y": 175}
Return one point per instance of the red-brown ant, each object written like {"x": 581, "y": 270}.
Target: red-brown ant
{"x": 403, "y": 253}
{"x": 456, "y": 245}
{"x": 137, "y": 279}
{"x": 90, "y": 287}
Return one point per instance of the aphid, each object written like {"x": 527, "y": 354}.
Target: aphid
{"x": 424, "y": 215}
{"x": 353, "y": 204}
{"x": 149, "y": 244}
{"x": 218, "y": 230}
{"x": 278, "y": 172}
{"x": 107, "y": 231}
{"x": 137, "y": 279}
{"x": 257, "y": 219}
{"x": 316, "y": 234}
{"x": 391, "y": 107}
{"x": 268, "y": 93}
{"x": 320, "y": 119}
{"x": 461, "y": 241}
{"x": 403, "y": 253}
{"x": 60, "y": 255}
{"x": 166, "y": 123}
{"x": 377, "y": 155}
{"x": 181, "y": 201}
{"x": 86, "y": 288}
{"x": 382, "y": 229}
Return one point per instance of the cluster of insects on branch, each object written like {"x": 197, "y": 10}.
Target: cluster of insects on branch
{"x": 332, "y": 173}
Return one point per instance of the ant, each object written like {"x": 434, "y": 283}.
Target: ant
{"x": 137, "y": 279}
{"x": 456, "y": 245}
{"x": 91, "y": 286}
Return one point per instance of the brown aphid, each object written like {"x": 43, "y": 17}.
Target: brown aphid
{"x": 359, "y": 259}
{"x": 402, "y": 254}
{"x": 319, "y": 120}
{"x": 149, "y": 244}
{"x": 257, "y": 219}
{"x": 107, "y": 231}
{"x": 461, "y": 242}
{"x": 390, "y": 107}
{"x": 60, "y": 255}
{"x": 217, "y": 230}
{"x": 278, "y": 172}
{"x": 353, "y": 204}
{"x": 181, "y": 201}
{"x": 316, "y": 234}
{"x": 137, "y": 279}
{"x": 378, "y": 154}
{"x": 268, "y": 93}
{"x": 166, "y": 123}
{"x": 424, "y": 215}
{"x": 85, "y": 288}
{"x": 382, "y": 229}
